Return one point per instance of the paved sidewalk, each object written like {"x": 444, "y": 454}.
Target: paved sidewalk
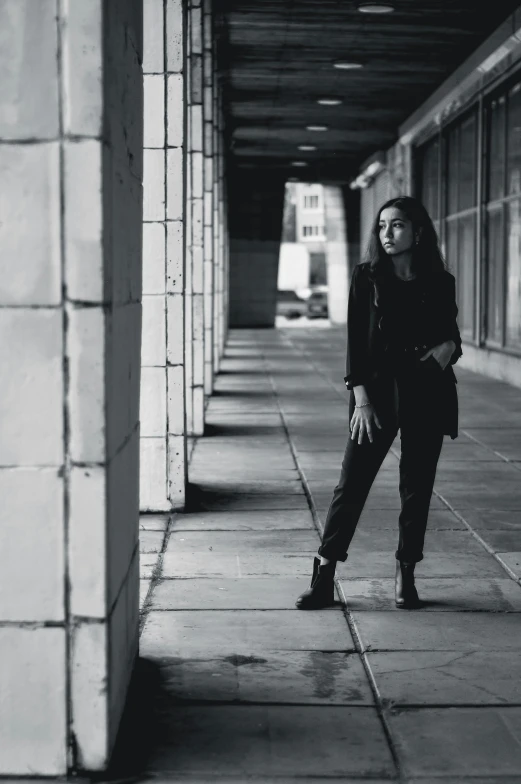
{"x": 242, "y": 686}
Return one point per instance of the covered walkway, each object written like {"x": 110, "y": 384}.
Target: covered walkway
{"x": 240, "y": 685}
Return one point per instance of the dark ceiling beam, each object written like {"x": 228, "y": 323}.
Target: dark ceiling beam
{"x": 276, "y": 59}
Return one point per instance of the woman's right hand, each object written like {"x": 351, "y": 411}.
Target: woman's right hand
{"x": 363, "y": 422}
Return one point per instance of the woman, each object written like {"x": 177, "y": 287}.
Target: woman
{"x": 402, "y": 340}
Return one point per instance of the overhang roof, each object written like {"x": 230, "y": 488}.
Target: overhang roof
{"x": 277, "y": 59}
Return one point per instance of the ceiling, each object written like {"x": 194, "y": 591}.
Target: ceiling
{"x": 276, "y": 57}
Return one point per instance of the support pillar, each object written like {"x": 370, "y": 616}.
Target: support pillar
{"x": 163, "y": 453}
{"x": 220, "y": 319}
{"x": 70, "y": 323}
{"x": 196, "y": 225}
{"x": 209, "y": 166}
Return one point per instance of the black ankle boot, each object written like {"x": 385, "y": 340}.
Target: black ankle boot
{"x": 406, "y": 595}
{"x": 321, "y": 592}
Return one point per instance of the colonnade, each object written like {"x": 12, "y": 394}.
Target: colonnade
{"x": 185, "y": 250}
{"x": 113, "y": 313}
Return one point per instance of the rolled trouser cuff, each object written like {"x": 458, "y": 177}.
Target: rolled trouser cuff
{"x": 408, "y": 559}
{"x": 331, "y": 556}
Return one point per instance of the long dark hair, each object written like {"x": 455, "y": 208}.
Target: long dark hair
{"x": 426, "y": 254}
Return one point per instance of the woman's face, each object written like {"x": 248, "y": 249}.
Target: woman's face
{"x": 396, "y": 231}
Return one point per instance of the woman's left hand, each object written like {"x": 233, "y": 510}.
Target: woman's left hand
{"x": 441, "y": 353}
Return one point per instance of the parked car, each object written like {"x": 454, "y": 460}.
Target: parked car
{"x": 317, "y": 305}
{"x": 290, "y": 305}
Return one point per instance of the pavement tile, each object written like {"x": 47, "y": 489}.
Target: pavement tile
{"x": 227, "y": 488}
{"x": 490, "y": 470}
{"x": 461, "y": 780}
{"x": 153, "y": 522}
{"x": 247, "y": 542}
{"x": 494, "y": 519}
{"x": 505, "y": 441}
{"x": 333, "y": 445}
{"x": 376, "y": 500}
{"x": 245, "y": 410}
{"x": 151, "y": 541}
{"x": 464, "y": 452}
{"x": 247, "y": 501}
{"x": 272, "y": 741}
{"x": 434, "y": 631}
{"x": 185, "y": 633}
{"x": 363, "y": 563}
{"x": 206, "y": 564}
{"x": 241, "y": 593}
{"x": 305, "y": 677}
{"x": 447, "y": 677}
{"x": 247, "y": 520}
{"x": 458, "y": 741}
{"x": 512, "y": 561}
{"x": 147, "y": 563}
{"x": 382, "y": 518}
{"x": 463, "y": 500}
{"x": 144, "y": 585}
{"x": 469, "y": 594}
{"x": 200, "y": 471}
{"x": 502, "y": 541}
{"x": 269, "y": 443}
{"x": 319, "y": 459}
{"x": 436, "y": 541}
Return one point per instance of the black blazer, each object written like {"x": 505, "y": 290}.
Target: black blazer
{"x": 366, "y": 360}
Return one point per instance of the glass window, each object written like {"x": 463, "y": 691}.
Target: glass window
{"x": 466, "y": 274}
{"x": 311, "y": 202}
{"x": 452, "y": 171}
{"x": 467, "y": 163}
{"x": 495, "y": 261}
{"x": 496, "y": 157}
{"x": 514, "y": 140}
{"x": 462, "y": 165}
{"x": 513, "y": 282}
{"x": 451, "y": 242}
{"x": 430, "y": 156}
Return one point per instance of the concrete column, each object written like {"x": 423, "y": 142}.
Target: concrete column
{"x": 218, "y": 293}
{"x": 175, "y": 256}
{"x": 197, "y": 209}
{"x": 208, "y": 175}
{"x": 225, "y": 246}
{"x": 189, "y": 347}
{"x": 163, "y": 454}
{"x": 336, "y": 254}
{"x": 70, "y": 322}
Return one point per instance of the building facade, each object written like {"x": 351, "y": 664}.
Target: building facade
{"x": 460, "y": 153}
{"x": 310, "y": 228}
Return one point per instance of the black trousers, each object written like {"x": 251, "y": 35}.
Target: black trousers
{"x": 421, "y": 438}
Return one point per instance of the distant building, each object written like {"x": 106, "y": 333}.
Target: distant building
{"x": 304, "y": 224}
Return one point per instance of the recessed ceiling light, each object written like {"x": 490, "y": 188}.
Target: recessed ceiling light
{"x": 298, "y": 163}
{"x": 347, "y": 66}
{"x": 293, "y": 179}
{"x": 307, "y": 147}
{"x": 316, "y": 127}
{"x": 329, "y": 101}
{"x": 376, "y": 8}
